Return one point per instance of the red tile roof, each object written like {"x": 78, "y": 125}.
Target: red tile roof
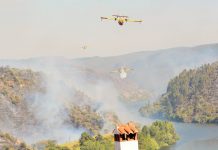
{"x": 128, "y": 128}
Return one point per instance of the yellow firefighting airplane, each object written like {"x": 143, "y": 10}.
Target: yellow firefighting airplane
{"x": 120, "y": 19}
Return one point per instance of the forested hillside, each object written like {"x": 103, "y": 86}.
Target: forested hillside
{"x": 192, "y": 96}
{"x": 8, "y": 142}
{"x": 17, "y": 90}
{"x": 15, "y": 83}
{"x": 15, "y": 86}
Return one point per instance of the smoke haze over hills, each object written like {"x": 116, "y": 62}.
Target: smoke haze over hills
{"x": 104, "y": 91}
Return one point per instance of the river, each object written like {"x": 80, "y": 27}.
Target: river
{"x": 192, "y": 136}
{"x": 195, "y": 137}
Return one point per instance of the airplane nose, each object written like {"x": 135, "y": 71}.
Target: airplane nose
{"x": 120, "y": 23}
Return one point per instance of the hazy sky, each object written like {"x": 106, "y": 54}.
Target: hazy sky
{"x": 32, "y": 28}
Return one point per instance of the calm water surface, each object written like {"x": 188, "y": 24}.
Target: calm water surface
{"x": 192, "y": 136}
{"x": 196, "y": 137}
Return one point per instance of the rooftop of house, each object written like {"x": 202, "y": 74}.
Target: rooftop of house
{"x": 128, "y": 128}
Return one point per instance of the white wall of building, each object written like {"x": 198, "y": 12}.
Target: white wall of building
{"x": 126, "y": 145}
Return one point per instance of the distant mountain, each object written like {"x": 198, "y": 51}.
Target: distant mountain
{"x": 192, "y": 96}
{"x": 152, "y": 69}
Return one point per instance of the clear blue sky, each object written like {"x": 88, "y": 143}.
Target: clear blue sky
{"x": 32, "y": 28}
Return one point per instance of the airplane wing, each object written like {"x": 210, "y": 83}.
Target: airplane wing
{"x": 115, "y": 71}
{"x": 84, "y": 47}
{"x": 120, "y": 16}
{"x": 108, "y": 18}
{"x": 132, "y": 20}
{"x": 128, "y": 69}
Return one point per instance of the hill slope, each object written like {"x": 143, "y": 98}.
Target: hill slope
{"x": 147, "y": 65}
{"x": 88, "y": 82}
{"x": 192, "y": 95}
{"x": 154, "y": 69}
{"x": 15, "y": 86}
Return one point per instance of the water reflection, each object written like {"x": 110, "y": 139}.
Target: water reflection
{"x": 195, "y": 137}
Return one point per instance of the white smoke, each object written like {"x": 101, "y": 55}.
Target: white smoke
{"x": 50, "y": 108}
{"x": 62, "y": 79}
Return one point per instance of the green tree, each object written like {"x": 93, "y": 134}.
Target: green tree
{"x": 88, "y": 142}
{"x": 147, "y": 143}
{"x": 159, "y": 134}
{"x": 85, "y": 137}
{"x": 52, "y": 145}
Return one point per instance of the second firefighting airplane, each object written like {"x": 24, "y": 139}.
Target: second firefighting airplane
{"x": 123, "y": 71}
{"x": 84, "y": 47}
{"x": 120, "y": 19}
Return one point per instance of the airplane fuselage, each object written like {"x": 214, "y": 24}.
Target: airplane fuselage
{"x": 123, "y": 73}
{"x": 121, "y": 20}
